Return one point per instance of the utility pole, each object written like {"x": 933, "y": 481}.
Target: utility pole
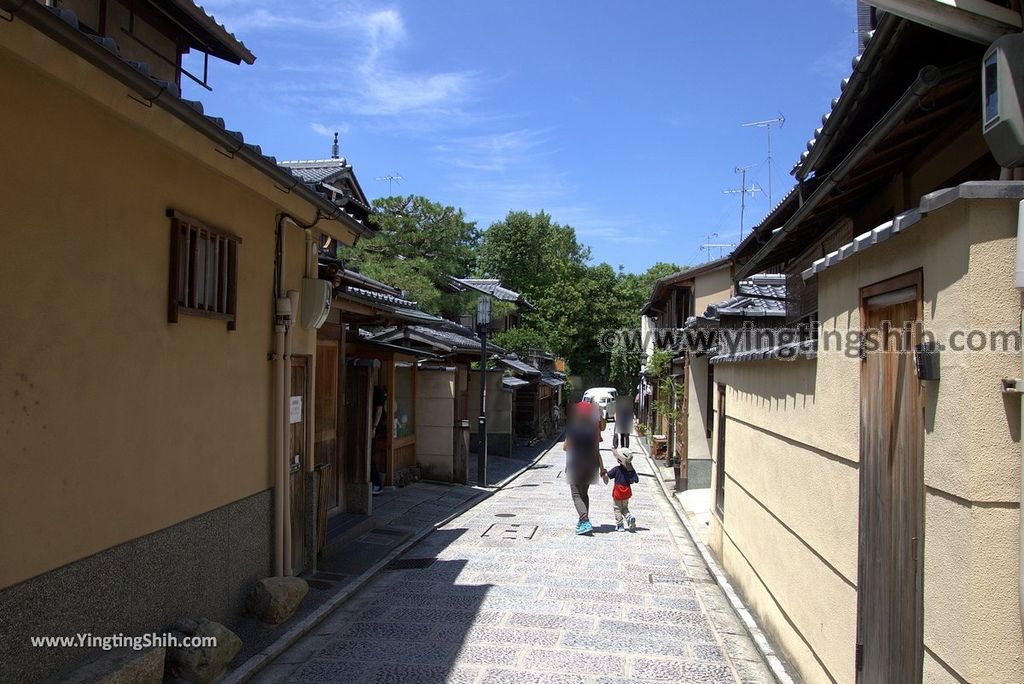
{"x": 391, "y": 179}
{"x": 767, "y": 125}
{"x": 743, "y": 191}
{"x": 483, "y": 321}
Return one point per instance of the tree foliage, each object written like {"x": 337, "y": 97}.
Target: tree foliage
{"x": 631, "y": 293}
{"x": 574, "y": 301}
{"x": 420, "y": 243}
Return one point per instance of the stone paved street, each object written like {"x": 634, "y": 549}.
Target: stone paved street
{"x": 508, "y": 593}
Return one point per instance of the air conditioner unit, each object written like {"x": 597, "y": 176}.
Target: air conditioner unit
{"x": 316, "y": 302}
{"x": 1002, "y": 77}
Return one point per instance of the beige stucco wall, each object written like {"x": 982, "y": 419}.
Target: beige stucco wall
{"x": 118, "y": 424}
{"x": 499, "y": 404}
{"x": 790, "y": 531}
{"x": 435, "y": 420}
{"x": 790, "y": 512}
{"x": 712, "y": 288}
{"x": 699, "y": 446}
{"x": 708, "y": 288}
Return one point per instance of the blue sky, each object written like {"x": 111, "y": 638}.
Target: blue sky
{"x": 622, "y": 120}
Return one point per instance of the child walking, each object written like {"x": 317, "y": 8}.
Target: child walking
{"x": 624, "y": 476}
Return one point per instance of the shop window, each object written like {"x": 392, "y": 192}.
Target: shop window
{"x": 404, "y": 424}
{"x": 203, "y": 271}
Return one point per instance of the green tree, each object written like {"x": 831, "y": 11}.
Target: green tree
{"x": 419, "y": 244}
{"x": 545, "y": 262}
{"x": 520, "y": 340}
{"x": 632, "y": 291}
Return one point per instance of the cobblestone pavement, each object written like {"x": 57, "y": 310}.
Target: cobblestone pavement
{"x": 508, "y": 593}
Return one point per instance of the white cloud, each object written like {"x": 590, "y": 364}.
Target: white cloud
{"x": 509, "y": 150}
{"x": 354, "y": 51}
{"x": 329, "y": 131}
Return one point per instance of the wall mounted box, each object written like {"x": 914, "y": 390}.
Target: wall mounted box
{"x": 317, "y": 296}
{"x": 1002, "y": 81}
{"x": 926, "y": 359}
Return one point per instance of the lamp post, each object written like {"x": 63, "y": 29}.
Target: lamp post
{"x": 483, "y": 321}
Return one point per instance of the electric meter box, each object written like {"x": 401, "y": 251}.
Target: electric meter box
{"x": 315, "y": 306}
{"x": 1002, "y": 88}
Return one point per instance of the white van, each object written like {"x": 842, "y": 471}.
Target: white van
{"x": 605, "y": 398}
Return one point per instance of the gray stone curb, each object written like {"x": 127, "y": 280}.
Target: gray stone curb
{"x": 251, "y": 667}
{"x": 775, "y": 663}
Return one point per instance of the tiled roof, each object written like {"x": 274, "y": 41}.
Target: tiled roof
{"x": 232, "y": 48}
{"x": 511, "y": 383}
{"x": 454, "y": 335}
{"x": 104, "y": 52}
{"x": 316, "y": 170}
{"x": 552, "y": 381}
{"x": 759, "y": 296}
{"x": 446, "y": 334}
{"x": 513, "y": 363}
{"x": 807, "y": 349}
{"x": 494, "y": 288}
{"x": 849, "y": 89}
{"x": 929, "y": 203}
{"x": 380, "y": 297}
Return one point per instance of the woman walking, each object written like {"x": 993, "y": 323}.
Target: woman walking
{"x": 582, "y": 463}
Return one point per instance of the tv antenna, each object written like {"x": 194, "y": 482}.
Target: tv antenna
{"x": 743, "y": 191}
{"x": 709, "y": 245}
{"x": 767, "y": 124}
{"x": 391, "y": 179}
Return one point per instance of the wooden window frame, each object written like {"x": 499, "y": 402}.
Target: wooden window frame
{"x": 182, "y": 294}
{"x": 720, "y": 455}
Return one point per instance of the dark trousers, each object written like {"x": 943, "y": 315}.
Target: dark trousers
{"x": 375, "y": 479}
{"x": 581, "y": 499}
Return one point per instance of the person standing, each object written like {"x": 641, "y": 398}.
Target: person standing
{"x": 623, "y": 422}
{"x": 582, "y": 463}
{"x": 380, "y": 423}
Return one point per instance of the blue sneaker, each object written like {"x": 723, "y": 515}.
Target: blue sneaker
{"x": 620, "y": 528}
{"x": 584, "y": 528}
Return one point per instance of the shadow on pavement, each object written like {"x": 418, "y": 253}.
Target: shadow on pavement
{"x": 410, "y": 626}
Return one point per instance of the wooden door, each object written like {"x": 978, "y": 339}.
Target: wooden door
{"x": 298, "y": 419}
{"x": 325, "y": 450}
{"x": 358, "y": 435}
{"x": 891, "y": 538}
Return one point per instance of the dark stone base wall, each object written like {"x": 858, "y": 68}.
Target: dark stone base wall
{"x": 202, "y": 567}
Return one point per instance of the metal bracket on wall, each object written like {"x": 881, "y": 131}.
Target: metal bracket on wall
{"x": 141, "y": 100}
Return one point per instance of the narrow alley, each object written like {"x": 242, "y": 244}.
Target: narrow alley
{"x": 508, "y": 593}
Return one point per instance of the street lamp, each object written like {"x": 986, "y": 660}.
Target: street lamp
{"x": 483, "y": 321}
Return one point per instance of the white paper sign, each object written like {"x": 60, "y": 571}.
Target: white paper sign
{"x": 296, "y": 410}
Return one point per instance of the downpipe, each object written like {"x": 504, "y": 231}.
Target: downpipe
{"x": 1019, "y": 283}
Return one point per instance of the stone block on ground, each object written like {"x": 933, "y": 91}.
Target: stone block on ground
{"x": 202, "y": 664}
{"x": 275, "y": 599}
{"x": 120, "y": 666}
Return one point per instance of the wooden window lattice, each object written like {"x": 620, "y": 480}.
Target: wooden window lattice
{"x": 203, "y": 271}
